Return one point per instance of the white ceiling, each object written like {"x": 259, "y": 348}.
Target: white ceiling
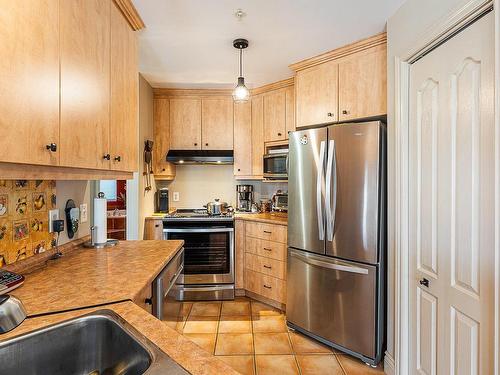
{"x": 188, "y": 43}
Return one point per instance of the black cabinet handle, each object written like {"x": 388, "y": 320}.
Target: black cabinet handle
{"x": 267, "y": 249}
{"x": 239, "y": 169}
{"x": 279, "y": 134}
{"x": 148, "y": 301}
{"x": 196, "y": 144}
{"x": 118, "y": 158}
{"x": 345, "y": 112}
{"x": 206, "y": 144}
{"x": 330, "y": 114}
{"x": 266, "y": 231}
{"x": 267, "y": 286}
{"x": 107, "y": 157}
{"x": 268, "y": 267}
{"x": 424, "y": 282}
{"x": 52, "y": 147}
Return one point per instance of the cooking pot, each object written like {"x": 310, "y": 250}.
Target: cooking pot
{"x": 216, "y": 207}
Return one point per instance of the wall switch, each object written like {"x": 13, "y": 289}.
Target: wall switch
{"x": 83, "y": 213}
{"x": 53, "y": 215}
{"x": 176, "y": 196}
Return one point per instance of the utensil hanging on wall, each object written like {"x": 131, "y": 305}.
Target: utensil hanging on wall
{"x": 148, "y": 161}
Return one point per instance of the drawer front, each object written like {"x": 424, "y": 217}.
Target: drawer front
{"x": 266, "y": 286}
{"x": 264, "y": 248}
{"x": 268, "y": 232}
{"x": 267, "y": 266}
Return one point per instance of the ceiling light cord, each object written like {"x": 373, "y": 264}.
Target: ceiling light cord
{"x": 241, "y": 63}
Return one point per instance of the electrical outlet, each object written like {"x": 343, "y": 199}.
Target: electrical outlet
{"x": 83, "y": 213}
{"x": 176, "y": 196}
{"x": 53, "y": 215}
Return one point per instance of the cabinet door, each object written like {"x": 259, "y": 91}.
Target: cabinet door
{"x": 257, "y": 135}
{"x": 239, "y": 262}
{"x": 243, "y": 139}
{"x": 124, "y": 87}
{"x": 185, "y": 124}
{"x": 290, "y": 109}
{"x": 316, "y": 90}
{"x": 85, "y": 82}
{"x": 275, "y": 116}
{"x": 29, "y": 93}
{"x": 363, "y": 85}
{"x": 161, "y": 138}
{"x": 217, "y": 124}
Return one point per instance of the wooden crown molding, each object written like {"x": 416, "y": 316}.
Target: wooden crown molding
{"x": 273, "y": 86}
{"x": 200, "y": 93}
{"x": 130, "y": 13}
{"x": 361, "y": 45}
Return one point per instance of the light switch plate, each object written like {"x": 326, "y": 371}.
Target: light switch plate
{"x": 53, "y": 215}
{"x": 176, "y": 196}
{"x": 83, "y": 213}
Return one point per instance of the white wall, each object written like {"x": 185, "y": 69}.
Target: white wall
{"x": 404, "y": 29}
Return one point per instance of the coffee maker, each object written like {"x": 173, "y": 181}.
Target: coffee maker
{"x": 244, "y": 197}
{"x": 161, "y": 201}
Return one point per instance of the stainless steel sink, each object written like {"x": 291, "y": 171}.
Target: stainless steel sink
{"x": 100, "y": 343}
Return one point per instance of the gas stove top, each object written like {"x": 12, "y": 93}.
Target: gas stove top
{"x": 197, "y": 214}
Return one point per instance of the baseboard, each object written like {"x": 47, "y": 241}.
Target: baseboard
{"x": 389, "y": 364}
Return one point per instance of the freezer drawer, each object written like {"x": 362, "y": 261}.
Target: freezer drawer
{"x": 335, "y": 300}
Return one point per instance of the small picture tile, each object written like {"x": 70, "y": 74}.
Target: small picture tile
{"x": 3, "y": 259}
{"x": 21, "y": 202}
{"x": 39, "y": 202}
{"x": 21, "y": 184}
{"x": 4, "y": 205}
{"x": 39, "y": 247}
{"x": 20, "y": 230}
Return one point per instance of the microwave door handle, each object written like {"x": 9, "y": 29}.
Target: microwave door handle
{"x": 319, "y": 185}
{"x": 328, "y": 203}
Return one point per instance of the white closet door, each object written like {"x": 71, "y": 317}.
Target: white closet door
{"x": 452, "y": 149}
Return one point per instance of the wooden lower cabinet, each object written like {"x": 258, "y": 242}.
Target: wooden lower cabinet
{"x": 153, "y": 229}
{"x": 260, "y": 264}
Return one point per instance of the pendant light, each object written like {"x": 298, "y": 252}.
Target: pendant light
{"x": 241, "y": 93}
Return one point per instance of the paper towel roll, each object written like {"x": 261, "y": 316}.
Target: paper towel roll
{"x": 100, "y": 220}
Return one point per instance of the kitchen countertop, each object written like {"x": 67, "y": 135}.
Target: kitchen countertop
{"x": 90, "y": 277}
{"x": 264, "y": 217}
{"x": 182, "y": 350}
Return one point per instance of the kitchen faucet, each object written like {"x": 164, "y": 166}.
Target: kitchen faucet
{"x": 12, "y": 313}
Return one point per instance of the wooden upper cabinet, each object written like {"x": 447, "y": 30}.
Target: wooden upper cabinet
{"x": 257, "y": 135}
{"x": 243, "y": 139}
{"x": 275, "y": 116}
{"x": 217, "y": 124}
{"x": 161, "y": 139}
{"x": 124, "y": 94}
{"x": 316, "y": 90}
{"x": 29, "y": 93}
{"x": 363, "y": 84}
{"x": 290, "y": 109}
{"x": 85, "y": 83}
{"x": 185, "y": 124}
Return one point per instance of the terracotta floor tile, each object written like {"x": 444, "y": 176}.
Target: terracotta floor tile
{"x": 205, "y": 309}
{"x": 272, "y": 343}
{"x": 302, "y": 344}
{"x": 353, "y": 366}
{"x": 244, "y": 364}
{"x": 234, "y": 343}
{"x": 269, "y": 323}
{"x": 201, "y": 324}
{"x": 235, "y": 324}
{"x": 261, "y": 309}
{"x": 203, "y": 340}
{"x": 235, "y": 308}
{"x": 314, "y": 364}
{"x": 276, "y": 365}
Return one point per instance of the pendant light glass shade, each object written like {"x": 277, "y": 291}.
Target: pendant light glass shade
{"x": 240, "y": 93}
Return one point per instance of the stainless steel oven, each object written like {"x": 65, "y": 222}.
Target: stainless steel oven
{"x": 208, "y": 257}
{"x": 275, "y": 165}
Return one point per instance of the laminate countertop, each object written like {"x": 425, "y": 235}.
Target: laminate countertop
{"x": 264, "y": 217}
{"x": 90, "y": 277}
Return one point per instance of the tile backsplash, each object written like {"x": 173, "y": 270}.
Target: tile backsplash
{"x": 24, "y": 209}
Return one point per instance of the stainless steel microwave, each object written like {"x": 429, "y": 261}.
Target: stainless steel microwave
{"x": 275, "y": 165}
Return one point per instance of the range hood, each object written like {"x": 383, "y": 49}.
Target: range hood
{"x": 216, "y": 157}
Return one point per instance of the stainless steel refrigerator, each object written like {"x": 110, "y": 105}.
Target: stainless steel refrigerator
{"x": 337, "y": 236}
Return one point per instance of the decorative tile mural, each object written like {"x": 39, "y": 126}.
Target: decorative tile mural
{"x": 24, "y": 207}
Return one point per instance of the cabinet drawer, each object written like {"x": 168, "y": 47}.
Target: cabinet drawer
{"x": 270, "y": 267}
{"x": 264, "y": 248}
{"x": 269, "y": 232}
{"x": 266, "y": 286}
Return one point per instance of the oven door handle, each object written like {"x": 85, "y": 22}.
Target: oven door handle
{"x": 197, "y": 230}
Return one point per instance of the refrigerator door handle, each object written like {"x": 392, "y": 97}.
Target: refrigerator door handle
{"x": 333, "y": 266}
{"x": 319, "y": 185}
{"x": 330, "y": 213}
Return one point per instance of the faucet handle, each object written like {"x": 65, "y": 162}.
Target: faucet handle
{"x": 12, "y": 313}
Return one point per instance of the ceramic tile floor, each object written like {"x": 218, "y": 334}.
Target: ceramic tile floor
{"x": 253, "y": 339}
